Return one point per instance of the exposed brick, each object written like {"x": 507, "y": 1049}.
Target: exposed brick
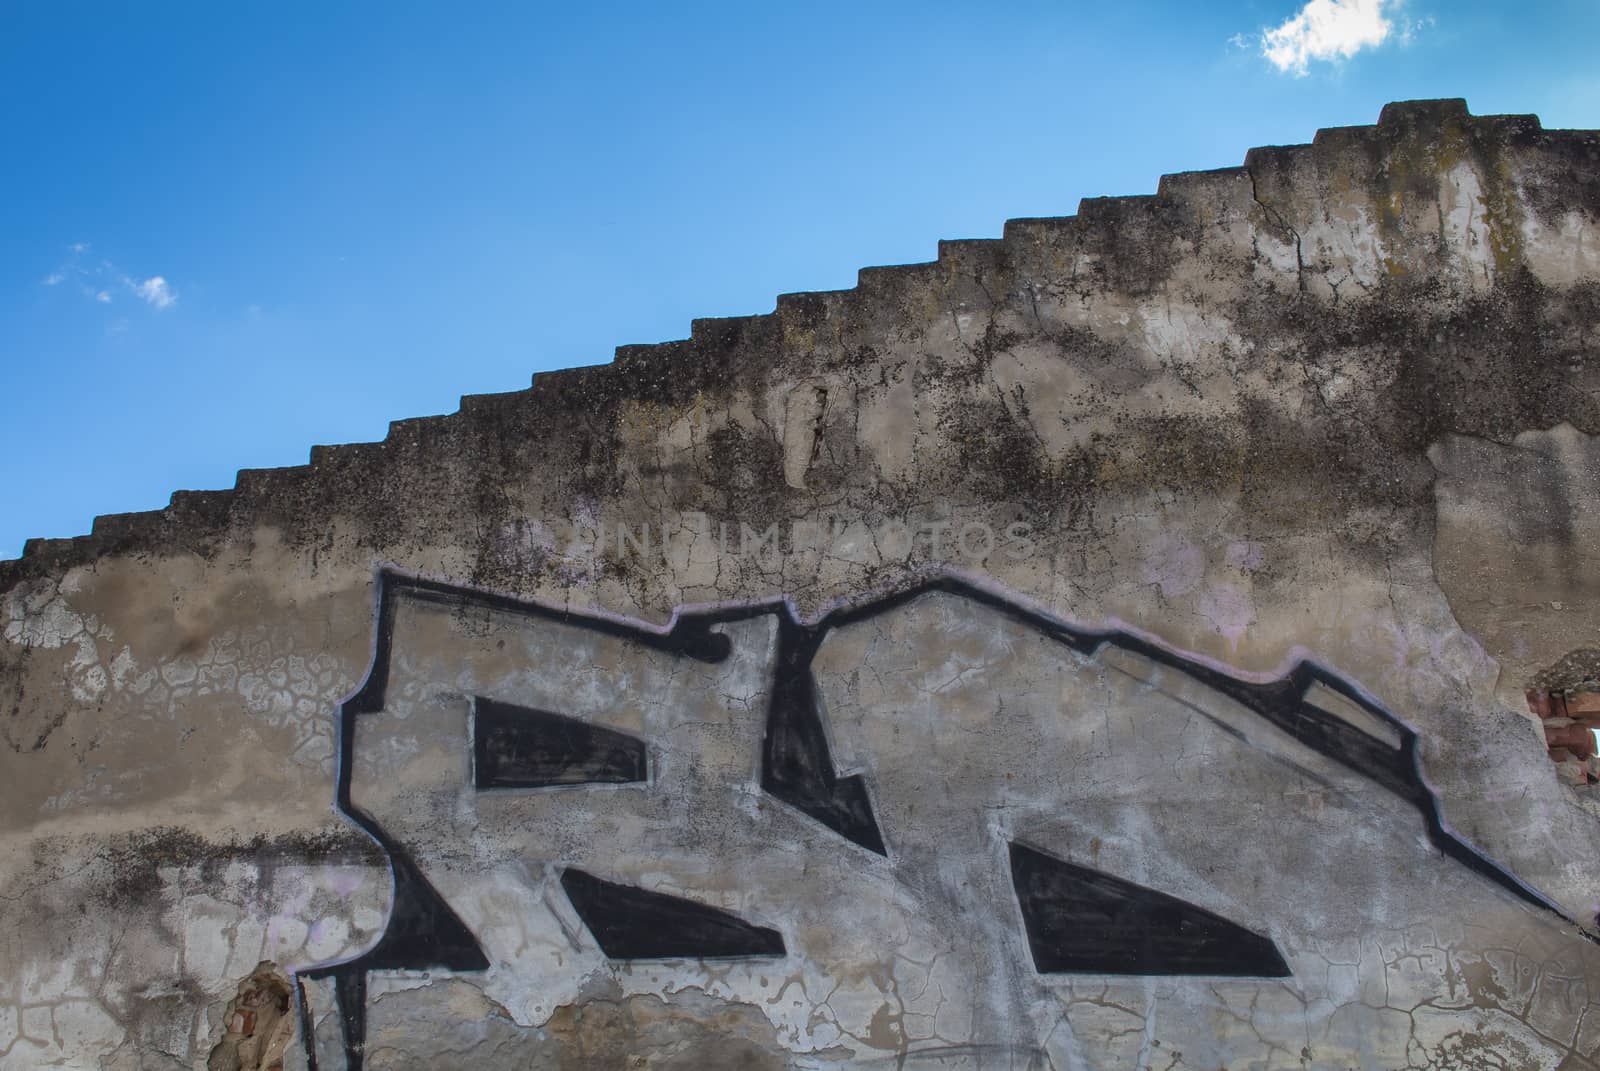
{"x": 1574, "y": 738}
{"x": 1582, "y": 703}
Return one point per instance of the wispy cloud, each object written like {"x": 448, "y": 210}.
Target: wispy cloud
{"x": 155, "y": 291}
{"x": 1327, "y": 30}
{"x": 98, "y": 280}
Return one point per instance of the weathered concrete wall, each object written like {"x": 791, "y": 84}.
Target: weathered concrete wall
{"x": 1105, "y": 647}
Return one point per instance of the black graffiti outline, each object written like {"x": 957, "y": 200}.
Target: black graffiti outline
{"x": 797, "y": 767}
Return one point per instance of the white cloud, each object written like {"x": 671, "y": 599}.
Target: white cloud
{"x": 155, "y": 291}
{"x": 98, "y": 279}
{"x": 1326, "y": 30}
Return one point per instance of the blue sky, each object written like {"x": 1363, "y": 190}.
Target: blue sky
{"x": 230, "y": 231}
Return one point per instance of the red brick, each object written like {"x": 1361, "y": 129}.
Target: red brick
{"x": 1574, "y": 738}
{"x": 1579, "y": 703}
{"x": 1587, "y": 728}
{"x": 1539, "y": 702}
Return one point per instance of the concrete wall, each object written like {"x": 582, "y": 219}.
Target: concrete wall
{"x": 1104, "y": 647}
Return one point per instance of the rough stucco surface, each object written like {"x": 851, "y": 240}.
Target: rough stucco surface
{"x": 1336, "y": 404}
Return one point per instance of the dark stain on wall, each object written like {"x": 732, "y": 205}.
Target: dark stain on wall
{"x": 1481, "y": 363}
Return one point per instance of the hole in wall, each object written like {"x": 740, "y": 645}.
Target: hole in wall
{"x": 257, "y": 1027}
{"x": 1566, "y": 700}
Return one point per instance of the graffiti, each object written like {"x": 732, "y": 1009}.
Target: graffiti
{"x": 517, "y": 747}
{"x": 609, "y": 758}
{"x": 795, "y": 765}
{"x": 1081, "y": 920}
{"x": 633, "y": 923}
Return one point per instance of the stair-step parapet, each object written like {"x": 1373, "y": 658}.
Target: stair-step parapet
{"x": 1124, "y": 243}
